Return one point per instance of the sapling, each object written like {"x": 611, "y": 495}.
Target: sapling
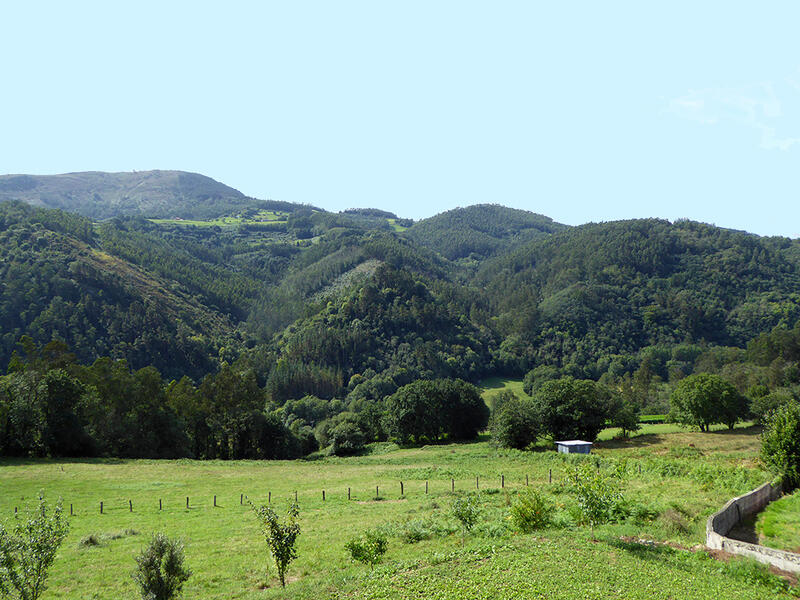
{"x": 598, "y": 496}
{"x": 280, "y": 537}
{"x": 28, "y": 550}
{"x": 466, "y": 510}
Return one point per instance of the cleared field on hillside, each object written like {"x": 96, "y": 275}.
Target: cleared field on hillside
{"x": 684, "y": 478}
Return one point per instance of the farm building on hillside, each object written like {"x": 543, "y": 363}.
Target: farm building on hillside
{"x": 574, "y": 447}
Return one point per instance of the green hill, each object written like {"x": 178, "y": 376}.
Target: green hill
{"x": 480, "y": 231}
{"x": 586, "y": 294}
{"x": 148, "y": 193}
{"x": 58, "y": 282}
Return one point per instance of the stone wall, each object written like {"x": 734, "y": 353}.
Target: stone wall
{"x": 721, "y": 522}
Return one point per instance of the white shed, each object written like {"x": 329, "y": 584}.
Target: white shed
{"x": 574, "y": 447}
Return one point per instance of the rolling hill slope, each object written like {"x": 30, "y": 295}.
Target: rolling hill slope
{"x": 147, "y": 193}
{"x": 480, "y": 231}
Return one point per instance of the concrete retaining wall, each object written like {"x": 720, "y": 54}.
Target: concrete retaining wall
{"x": 721, "y": 522}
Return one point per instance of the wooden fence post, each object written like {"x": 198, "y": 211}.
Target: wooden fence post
{"x": 426, "y": 487}
{"x": 502, "y": 481}
{"x": 452, "y": 485}
{"x": 477, "y": 485}
{"x": 551, "y": 476}
{"x": 215, "y": 500}
{"x": 159, "y": 504}
{"x": 348, "y": 493}
{"x": 526, "y": 480}
{"x": 101, "y": 507}
{"x": 241, "y": 498}
{"x": 70, "y": 509}
{"x": 401, "y": 488}
{"x": 130, "y": 505}
{"x": 187, "y": 502}
{"x": 295, "y": 495}
{"x": 323, "y": 495}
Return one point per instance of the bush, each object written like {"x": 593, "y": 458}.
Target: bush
{"x": 780, "y": 443}
{"x": 530, "y": 511}
{"x": 160, "y": 573}
{"x": 347, "y": 438}
{"x": 761, "y": 406}
{"x": 28, "y": 551}
{"x": 368, "y": 549}
{"x": 515, "y": 423}
{"x": 599, "y": 497}
{"x": 280, "y": 537}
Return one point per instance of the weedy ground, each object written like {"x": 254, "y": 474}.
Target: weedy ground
{"x": 671, "y": 482}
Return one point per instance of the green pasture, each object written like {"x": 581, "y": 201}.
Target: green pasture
{"x": 778, "y": 526}
{"x": 396, "y": 226}
{"x": 261, "y": 216}
{"x": 672, "y": 483}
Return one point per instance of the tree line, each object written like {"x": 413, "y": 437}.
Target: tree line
{"x": 51, "y": 405}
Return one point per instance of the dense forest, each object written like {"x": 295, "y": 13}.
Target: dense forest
{"x": 273, "y": 329}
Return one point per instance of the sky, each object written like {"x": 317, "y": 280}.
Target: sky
{"x": 582, "y": 111}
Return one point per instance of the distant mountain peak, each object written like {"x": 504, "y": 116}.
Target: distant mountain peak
{"x": 103, "y": 195}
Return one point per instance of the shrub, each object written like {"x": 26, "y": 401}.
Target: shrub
{"x": 368, "y": 548}
{"x": 280, "y": 537}
{"x": 466, "y": 510}
{"x": 530, "y": 511}
{"x": 347, "y": 438}
{"x": 90, "y": 540}
{"x": 599, "y": 497}
{"x": 761, "y": 406}
{"x": 780, "y": 442}
{"x": 515, "y": 424}
{"x": 28, "y": 551}
{"x": 160, "y": 573}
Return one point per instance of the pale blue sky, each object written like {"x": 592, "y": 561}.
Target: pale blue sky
{"x": 583, "y": 111}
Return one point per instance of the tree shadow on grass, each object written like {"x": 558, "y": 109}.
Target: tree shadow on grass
{"x": 654, "y": 552}
{"x": 22, "y": 461}
{"x": 638, "y": 441}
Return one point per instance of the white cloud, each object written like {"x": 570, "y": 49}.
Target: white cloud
{"x": 757, "y": 107}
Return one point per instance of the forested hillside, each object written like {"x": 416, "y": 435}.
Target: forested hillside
{"x": 57, "y": 282}
{"x": 480, "y": 231}
{"x": 318, "y": 318}
{"x": 581, "y": 297}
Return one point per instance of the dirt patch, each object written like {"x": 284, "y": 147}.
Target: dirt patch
{"x": 787, "y": 575}
{"x": 643, "y": 542}
{"x": 277, "y": 582}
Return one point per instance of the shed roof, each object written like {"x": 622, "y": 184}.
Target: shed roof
{"x": 574, "y": 443}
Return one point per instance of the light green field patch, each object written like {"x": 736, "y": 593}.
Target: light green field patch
{"x": 495, "y": 385}
{"x": 396, "y": 226}
{"x": 778, "y": 526}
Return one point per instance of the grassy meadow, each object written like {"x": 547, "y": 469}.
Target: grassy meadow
{"x": 778, "y": 526}
{"x": 671, "y": 481}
